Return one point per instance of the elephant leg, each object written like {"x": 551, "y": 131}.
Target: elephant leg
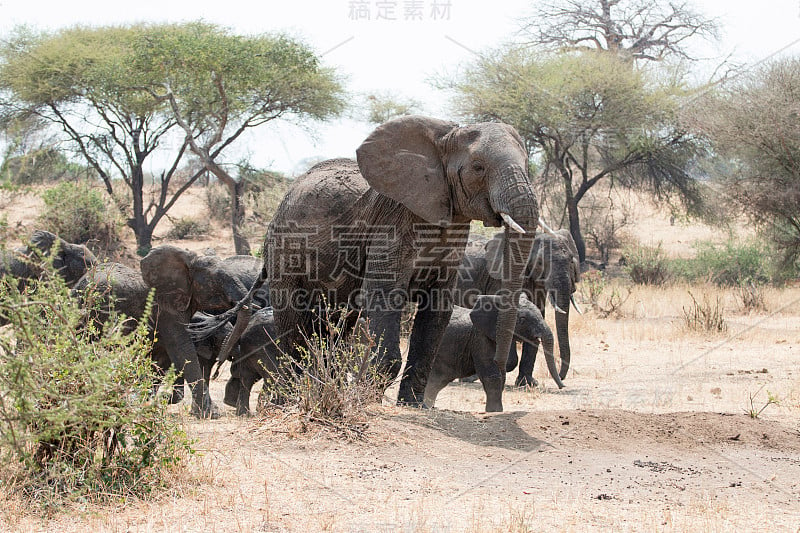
{"x": 232, "y": 389}
{"x": 237, "y": 393}
{"x": 432, "y": 318}
{"x": 177, "y": 390}
{"x": 433, "y": 387}
{"x": 182, "y": 352}
{"x": 492, "y": 378}
{"x": 526, "y": 362}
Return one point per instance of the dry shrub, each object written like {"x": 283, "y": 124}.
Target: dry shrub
{"x": 80, "y": 213}
{"x": 647, "y": 265}
{"x": 187, "y": 228}
{"x": 593, "y": 289}
{"x": 218, "y": 202}
{"x": 752, "y": 297}
{"x": 706, "y": 316}
{"x": 334, "y": 381}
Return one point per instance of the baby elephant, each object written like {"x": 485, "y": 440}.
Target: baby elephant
{"x": 468, "y": 347}
{"x": 255, "y": 358}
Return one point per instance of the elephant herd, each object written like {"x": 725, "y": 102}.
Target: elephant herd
{"x": 375, "y": 234}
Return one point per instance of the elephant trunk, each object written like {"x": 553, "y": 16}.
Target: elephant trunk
{"x": 562, "y": 330}
{"x": 547, "y": 346}
{"x": 516, "y": 199}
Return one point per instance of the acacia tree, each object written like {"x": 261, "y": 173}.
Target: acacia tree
{"x": 117, "y": 94}
{"x": 754, "y": 125}
{"x": 591, "y": 118}
{"x": 635, "y": 30}
{"x": 76, "y": 82}
{"x": 222, "y": 85}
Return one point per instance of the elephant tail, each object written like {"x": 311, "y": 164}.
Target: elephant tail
{"x": 207, "y": 326}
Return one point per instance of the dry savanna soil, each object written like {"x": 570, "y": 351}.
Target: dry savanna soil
{"x": 653, "y": 432}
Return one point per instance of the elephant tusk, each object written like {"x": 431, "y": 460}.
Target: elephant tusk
{"x": 555, "y": 305}
{"x": 547, "y": 228}
{"x": 575, "y": 304}
{"x": 511, "y": 223}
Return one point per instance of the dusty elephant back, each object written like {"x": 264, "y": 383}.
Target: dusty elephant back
{"x": 122, "y": 282}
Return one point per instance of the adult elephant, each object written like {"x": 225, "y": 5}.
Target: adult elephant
{"x": 185, "y": 283}
{"x": 552, "y": 273}
{"x": 392, "y": 228}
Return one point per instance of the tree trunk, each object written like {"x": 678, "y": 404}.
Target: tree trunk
{"x": 237, "y": 219}
{"x": 138, "y": 222}
{"x": 572, "y": 211}
{"x": 575, "y": 227}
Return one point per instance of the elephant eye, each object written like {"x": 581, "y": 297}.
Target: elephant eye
{"x": 477, "y": 167}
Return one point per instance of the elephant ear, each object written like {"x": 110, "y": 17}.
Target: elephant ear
{"x": 166, "y": 268}
{"x": 575, "y": 265}
{"x": 402, "y": 159}
{"x": 484, "y": 315}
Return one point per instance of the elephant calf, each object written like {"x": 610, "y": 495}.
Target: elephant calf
{"x": 469, "y": 344}
{"x": 257, "y": 357}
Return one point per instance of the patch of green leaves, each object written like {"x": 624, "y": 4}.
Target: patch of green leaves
{"x": 77, "y": 416}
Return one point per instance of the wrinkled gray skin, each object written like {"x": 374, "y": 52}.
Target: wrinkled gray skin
{"x": 257, "y": 356}
{"x": 71, "y": 261}
{"x": 391, "y": 228}
{"x": 469, "y": 344}
{"x": 129, "y": 292}
{"x": 552, "y": 273}
{"x": 185, "y": 283}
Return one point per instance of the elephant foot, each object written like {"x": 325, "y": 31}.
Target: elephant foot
{"x": 210, "y": 411}
{"x": 494, "y": 407}
{"x": 411, "y": 398}
{"x": 526, "y": 381}
{"x": 232, "y": 388}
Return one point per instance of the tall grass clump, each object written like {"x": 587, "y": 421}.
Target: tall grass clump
{"x": 78, "y": 421}
{"x": 706, "y": 316}
{"x": 79, "y": 213}
{"x": 335, "y": 379}
{"x": 647, "y": 265}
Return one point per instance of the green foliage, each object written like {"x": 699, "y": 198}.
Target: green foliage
{"x": 78, "y": 213}
{"x": 755, "y": 411}
{"x": 41, "y": 165}
{"x": 731, "y": 264}
{"x": 187, "y": 228}
{"x": 264, "y": 75}
{"x": 77, "y": 418}
{"x": 647, "y": 265}
{"x": 706, "y": 316}
{"x": 384, "y": 106}
{"x": 115, "y": 92}
{"x": 591, "y": 117}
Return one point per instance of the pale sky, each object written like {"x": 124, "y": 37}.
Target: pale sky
{"x": 380, "y": 55}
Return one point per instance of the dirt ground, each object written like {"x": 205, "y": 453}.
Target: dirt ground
{"x": 652, "y": 432}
